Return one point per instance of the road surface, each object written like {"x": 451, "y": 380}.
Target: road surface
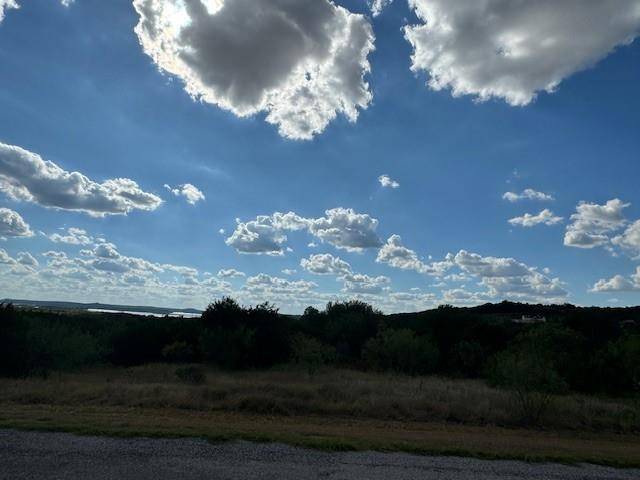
{"x": 51, "y": 456}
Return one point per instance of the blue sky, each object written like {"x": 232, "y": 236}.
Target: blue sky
{"x": 80, "y": 88}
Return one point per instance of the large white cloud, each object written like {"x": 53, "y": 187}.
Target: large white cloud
{"x": 345, "y": 229}
{"x": 592, "y": 224}
{"x": 302, "y": 62}
{"x": 341, "y": 227}
{"x": 266, "y": 234}
{"x": 27, "y": 177}
{"x": 545, "y": 217}
{"x": 513, "y": 49}
{"x": 13, "y": 225}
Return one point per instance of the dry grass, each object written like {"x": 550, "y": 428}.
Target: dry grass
{"x": 331, "y": 433}
{"x": 336, "y": 393}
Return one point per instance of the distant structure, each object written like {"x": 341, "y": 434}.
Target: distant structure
{"x": 526, "y": 320}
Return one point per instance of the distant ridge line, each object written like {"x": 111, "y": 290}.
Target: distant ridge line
{"x": 99, "y": 306}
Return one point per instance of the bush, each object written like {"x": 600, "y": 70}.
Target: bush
{"x": 178, "y": 352}
{"x": 311, "y": 353}
{"x": 227, "y": 348}
{"x": 192, "y": 375}
{"x": 238, "y": 337}
{"x": 401, "y": 351}
{"x": 617, "y": 366}
{"x": 467, "y": 358}
{"x": 532, "y": 379}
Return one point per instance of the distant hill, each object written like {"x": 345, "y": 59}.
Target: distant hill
{"x": 52, "y": 305}
{"x": 513, "y": 310}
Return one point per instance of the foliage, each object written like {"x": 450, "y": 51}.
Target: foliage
{"x": 401, "y": 351}
{"x": 178, "y": 352}
{"x": 310, "y": 353}
{"x": 192, "y": 375}
{"x": 590, "y": 350}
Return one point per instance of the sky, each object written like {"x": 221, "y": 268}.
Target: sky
{"x": 405, "y": 153}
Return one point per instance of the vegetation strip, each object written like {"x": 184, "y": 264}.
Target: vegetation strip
{"x": 331, "y": 434}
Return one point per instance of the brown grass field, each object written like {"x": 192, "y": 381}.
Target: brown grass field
{"x": 334, "y": 409}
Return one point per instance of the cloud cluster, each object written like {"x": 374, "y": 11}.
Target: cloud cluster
{"x": 545, "y": 217}
{"x": 301, "y": 62}
{"x": 387, "y": 182}
{"x": 365, "y": 284}
{"x": 325, "y": 264}
{"x": 13, "y": 225}
{"x": 73, "y": 236}
{"x": 592, "y": 224}
{"x": 341, "y": 227}
{"x": 527, "y": 194}
{"x": 230, "y": 273}
{"x": 508, "y": 278}
{"x": 512, "y": 50}
{"x": 618, "y": 283}
{"x": 25, "y": 176}
{"x": 396, "y": 255}
{"x": 190, "y": 192}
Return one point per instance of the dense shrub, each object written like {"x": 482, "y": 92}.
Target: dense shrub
{"x": 239, "y": 337}
{"x": 310, "y": 353}
{"x": 178, "y": 352}
{"x": 401, "y": 351}
{"x": 617, "y": 366}
{"x": 345, "y": 325}
{"x": 192, "y": 375}
{"x": 533, "y": 380}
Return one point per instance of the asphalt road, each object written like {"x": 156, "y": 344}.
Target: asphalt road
{"x": 32, "y": 455}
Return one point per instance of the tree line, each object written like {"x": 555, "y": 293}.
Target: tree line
{"x": 576, "y": 349}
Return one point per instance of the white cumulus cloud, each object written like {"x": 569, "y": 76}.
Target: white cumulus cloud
{"x": 377, "y": 6}
{"x": 514, "y": 49}
{"x": 592, "y": 224}
{"x": 618, "y": 283}
{"x": 325, "y": 264}
{"x": 301, "y": 62}
{"x": 191, "y": 193}
{"x": 629, "y": 240}
{"x": 527, "y": 194}
{"x": 545, "y": 217}
{"x": 341, "y": 227}
{"x": 13, "y": 225}
{"x": 387, "y": 182}
{"x": 25, "y": 176}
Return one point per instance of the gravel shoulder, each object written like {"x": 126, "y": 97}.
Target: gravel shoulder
{"x": 38, "y": 455}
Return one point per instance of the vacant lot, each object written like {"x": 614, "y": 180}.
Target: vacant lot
{"x": 334, "y": 410}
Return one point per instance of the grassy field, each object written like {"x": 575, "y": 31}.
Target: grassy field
{"x": 335, "y": 409}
